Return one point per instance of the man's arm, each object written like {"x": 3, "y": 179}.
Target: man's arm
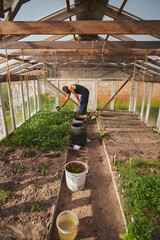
{"x": 66, "y": 100}
{"x": 75, "y": 94}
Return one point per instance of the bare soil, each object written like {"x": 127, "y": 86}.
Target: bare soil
{"x": 29, "y": 186}
{"x": 128, "y": 137}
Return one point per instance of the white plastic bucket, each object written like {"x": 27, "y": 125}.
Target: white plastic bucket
{"x": 76, "y": 181}
{"x": 67, "y": 224}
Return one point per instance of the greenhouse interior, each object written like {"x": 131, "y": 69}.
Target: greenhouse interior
{"x": 79, "y": 120}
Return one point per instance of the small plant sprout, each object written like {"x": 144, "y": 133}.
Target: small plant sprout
{"x": 53, "y": 153}
{"x": 19, "y": 170}
{"x": 35, "y": 207}
{"x": 5, "y": 195}
{"x": 17, "y": 164}
{"x": 5, "y": 151}
{"x": 44, "y": 171}
{"x": 127, "y": 236}
{"x": 102, "y": 134}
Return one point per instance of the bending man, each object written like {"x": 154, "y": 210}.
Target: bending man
{"x": 77, "y": 89}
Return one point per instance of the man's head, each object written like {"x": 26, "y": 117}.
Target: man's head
{"x": 65, "y": 89}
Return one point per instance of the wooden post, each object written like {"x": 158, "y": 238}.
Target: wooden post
{"x": 143, "y": 100}
{"x": 28, "y": 104}
{"x": 112, "y": 94}
{"x": 158, "y": 121}
{"x": 23, "y": 103}
{"x": 34, "y": 89}
{"x": 149, "y": 102}
{"x": 96, "y": 92}
{"x": 39, "y": 100}
{"x": 136, "y": 95}
{"x": 3, "y": 113}
{"x": 131, "y": 97}
{"x": 11, "y": 108}
{"x": 57, "y": 92}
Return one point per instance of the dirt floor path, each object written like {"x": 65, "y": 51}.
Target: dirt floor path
{"x": 96, "y": 205}
{"x": 128, "y": 137}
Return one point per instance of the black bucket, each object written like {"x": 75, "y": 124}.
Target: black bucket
{"x": 79, "y": 120}
{"x": 78, "y": 134}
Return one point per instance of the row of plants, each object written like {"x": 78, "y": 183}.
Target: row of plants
{"x": 45, "y": 130}
{"x": 140, "y": 186}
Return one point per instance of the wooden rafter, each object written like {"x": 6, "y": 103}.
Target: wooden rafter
{"x": 14, "y": 10}
{"x": 113, "y": 12}
{"x": 82, "y": 45}
{"x": 1, "y": 9}
{"x": 81, "y": 27}
{"x": 122, "y": 6}
{"x": 57, "y": 16}
{"x": 119, "y": 12}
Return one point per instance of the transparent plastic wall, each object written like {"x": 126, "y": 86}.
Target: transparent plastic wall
{"x": 47, "y": 96}
{"x": 17, "y": 103}
{"x": 155, "y": 105}
{"x": 123, "y": 97}
{"x": 140, "y": 97}
{"x": 103, "y": 93}
{"x": 2, "y": 132}
{"x": 155, "y": 102}
{"x": 24, "y": 84}
{"x": 31, "y": 97}
{"x": 7, "y": 107}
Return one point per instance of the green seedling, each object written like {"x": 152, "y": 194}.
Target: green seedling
{"x": 35, "y": 207}
{"x": 72, "y": 169}
{"x": 127, "y": 236}
{"x": 45, "y": 130}
{"x": 102, "y": 134}
{"x": 5, "y": 152}
{"x": 53, "y": 153}
{"x": 19, "y": 170}
{"x": 44, "y": 171}
{"x": 17, "y": 164}
{"x": 5, "y": 195}
{"x": 141, "y": 195}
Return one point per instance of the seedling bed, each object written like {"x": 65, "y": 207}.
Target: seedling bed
{"x": 30, "y": 176}
{"x": 135, "y": 161}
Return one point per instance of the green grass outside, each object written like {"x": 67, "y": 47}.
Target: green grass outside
{"x": 117, "y": 105}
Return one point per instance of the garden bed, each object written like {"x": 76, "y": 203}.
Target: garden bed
{"x": 134, "y": 155}
{"x": 30, "y": 176}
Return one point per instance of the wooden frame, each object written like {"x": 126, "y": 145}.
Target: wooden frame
{"x": 81, "y": 27}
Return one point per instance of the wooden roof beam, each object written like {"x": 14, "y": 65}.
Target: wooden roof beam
{"x": 84, "y": 52}
{"x": 57, "y": 16}
{"x": 1, "y": 9}
{"x": 82, "y": 45}
{"x": 122, "y": 6}
{"x": 119, "y": 12}
{"x": 14, "y": 10}
{"x": 113, "y": 13}
{"x": 81, "y": 27}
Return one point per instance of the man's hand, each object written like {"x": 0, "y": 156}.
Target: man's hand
{"x": 79, "y": 104}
